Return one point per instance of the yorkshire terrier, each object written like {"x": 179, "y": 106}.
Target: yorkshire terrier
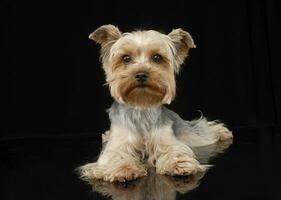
{"x": 140, "y": 69}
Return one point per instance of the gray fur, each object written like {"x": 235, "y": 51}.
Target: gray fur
{"x": 139, "y": 121}
{"x": 144, "y": 120}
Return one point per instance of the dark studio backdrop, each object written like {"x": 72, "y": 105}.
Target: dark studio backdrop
{"x": 54, "y": 81}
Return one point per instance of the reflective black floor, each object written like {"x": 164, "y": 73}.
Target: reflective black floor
{"x": 43, "y": 168}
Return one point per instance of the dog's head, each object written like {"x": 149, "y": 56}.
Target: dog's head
{"x": 140, "y": 66}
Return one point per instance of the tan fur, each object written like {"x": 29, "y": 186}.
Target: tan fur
{"x": 224, "y": 134}
{"x": 125, "y": 150}
{"x": 119, "y": 161}
{"x": 183, "y": 42}
{"x": 141, "y": 46}
{"x": 169, "y": 155}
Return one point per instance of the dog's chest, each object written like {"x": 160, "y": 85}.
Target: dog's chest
{"x": 145, "y": 121}
{"x": 139, "y": 121}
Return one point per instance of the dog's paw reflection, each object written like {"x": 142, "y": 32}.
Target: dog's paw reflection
{"x": 184, "y": 184}
{"x": 126, "y": 185}
{"x": 154, "y": 186}
{"x": 119, "y": 190}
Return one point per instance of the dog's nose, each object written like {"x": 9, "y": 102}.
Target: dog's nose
{"x": 141, "y": 76}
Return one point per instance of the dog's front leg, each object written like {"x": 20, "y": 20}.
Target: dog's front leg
{"x": 120, "y": 159}
{"x": 170, "y": 156}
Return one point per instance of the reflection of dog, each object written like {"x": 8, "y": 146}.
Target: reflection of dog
{"x": 154, "y": 186}
{"x": 140, "y": 70}
{"x": 157, "y": 186}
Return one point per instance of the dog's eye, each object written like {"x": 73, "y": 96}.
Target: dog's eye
{"x": 156, "y": 58}
{"x": 126, "y": 59}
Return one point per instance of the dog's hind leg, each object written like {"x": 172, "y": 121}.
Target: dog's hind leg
{"x": 199, "y": 132}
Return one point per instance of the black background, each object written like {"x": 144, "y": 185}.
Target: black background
{"x": 54, "y": 81}
{"x": 55, "y": 103}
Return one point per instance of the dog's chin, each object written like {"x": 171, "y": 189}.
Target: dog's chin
{"x": 144, "y": 96}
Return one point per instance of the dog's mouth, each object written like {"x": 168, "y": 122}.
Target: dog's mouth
{"x": 141, "y": 85}
{"x": 144, "y": 87}
{"x": 144, "y": 94}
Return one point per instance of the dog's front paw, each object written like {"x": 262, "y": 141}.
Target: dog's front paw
{"x": 90, "y": 171}
{"x": 182, "y": 167}
{"x": 126, "y": 172}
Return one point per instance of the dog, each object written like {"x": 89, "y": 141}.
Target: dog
{"x": 140, "y": 69}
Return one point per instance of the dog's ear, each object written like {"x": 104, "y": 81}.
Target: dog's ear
{"x": 182, "y": 41}
{"x": 105, "y": 34}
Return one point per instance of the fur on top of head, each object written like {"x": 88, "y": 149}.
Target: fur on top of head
{"x": 179, "y": 41}
{"x": 157, "y": 55}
